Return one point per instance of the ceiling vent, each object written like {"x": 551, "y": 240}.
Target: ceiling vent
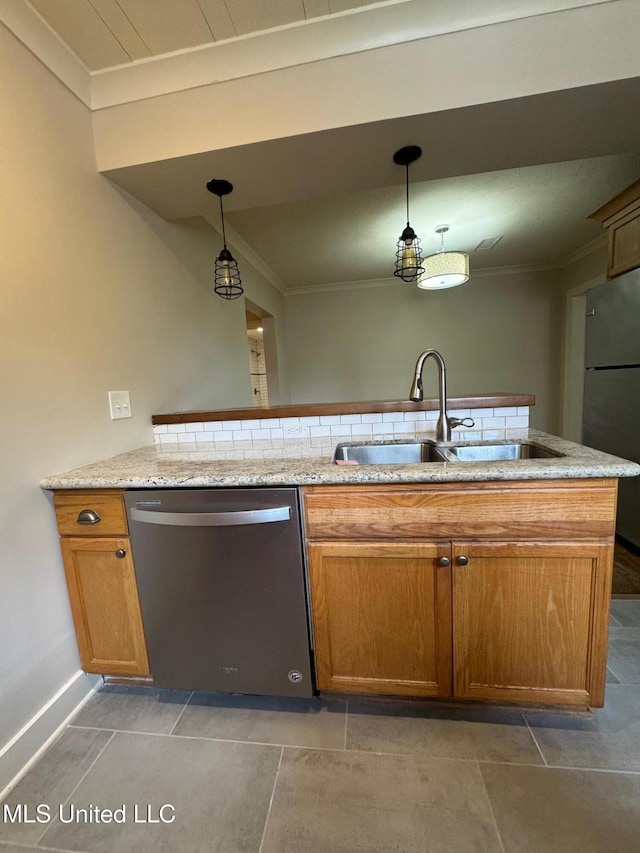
{"x": 487, "y": 243}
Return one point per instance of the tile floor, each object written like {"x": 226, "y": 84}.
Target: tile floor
{"x": 262, "y": 775}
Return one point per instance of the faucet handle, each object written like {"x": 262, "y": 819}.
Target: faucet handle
{"x": 465, "y": 422}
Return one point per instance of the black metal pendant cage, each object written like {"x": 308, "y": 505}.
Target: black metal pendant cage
{"x": 227, "y": 278}
{"x": 408, "y": 256}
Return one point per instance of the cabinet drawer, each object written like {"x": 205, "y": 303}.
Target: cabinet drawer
{"x": 554, "y": 509}
{"x": 107, "y": 506}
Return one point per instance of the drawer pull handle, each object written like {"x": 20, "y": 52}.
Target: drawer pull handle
{"x": 121, "y": 553}
{"x": 462, "y": 560}
{"x": 88, "y": 516}
{"x": 444, "y": 562}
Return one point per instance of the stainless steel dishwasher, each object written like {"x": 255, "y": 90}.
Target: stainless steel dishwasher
{"x": 220, "y": 575}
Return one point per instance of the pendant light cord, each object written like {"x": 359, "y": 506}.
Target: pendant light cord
{"x": 407, "y": 170}
{"x": 224, "y": 237}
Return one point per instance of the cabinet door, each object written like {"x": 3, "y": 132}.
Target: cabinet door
{"x": 530, "y": 621}
{"x": 105, "y": 606}
{"x": 381, "y": 615}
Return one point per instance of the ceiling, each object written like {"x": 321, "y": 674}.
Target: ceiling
{"x": 108, "y": 33}
{"x": 324, "y": 210}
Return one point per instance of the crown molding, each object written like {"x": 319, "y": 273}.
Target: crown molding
{"x": 248, "y": 253}
{"x": 46, "y": 45}
{"x": 353, "y": 31}
{"x": 589, "y": 248}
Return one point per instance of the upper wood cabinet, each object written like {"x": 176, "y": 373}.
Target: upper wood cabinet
{"x": 621, "y": 217}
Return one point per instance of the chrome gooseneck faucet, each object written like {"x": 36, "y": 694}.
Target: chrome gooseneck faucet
{"x": 445, "y": 423}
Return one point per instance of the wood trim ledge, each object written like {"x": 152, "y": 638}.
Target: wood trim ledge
{"x": 481, "y": 401}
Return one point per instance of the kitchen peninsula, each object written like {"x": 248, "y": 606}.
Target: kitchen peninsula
{"x": 485, "y": 580}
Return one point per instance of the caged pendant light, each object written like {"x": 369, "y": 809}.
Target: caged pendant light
{"x": 408, "y": 253}
{"x": 227, "y": 282}
{"x": 444, "y": 269}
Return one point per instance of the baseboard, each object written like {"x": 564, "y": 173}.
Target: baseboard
{"x": 26, "y": 747}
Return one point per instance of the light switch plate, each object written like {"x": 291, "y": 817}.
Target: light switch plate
{"x": 119, "y": 404}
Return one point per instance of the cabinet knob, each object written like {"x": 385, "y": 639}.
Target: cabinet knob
{"x": 444, "y": 562}
{"x": 88, "y": 516}
{"x": 120, "y": 553}
{"x": 462, "y": 560}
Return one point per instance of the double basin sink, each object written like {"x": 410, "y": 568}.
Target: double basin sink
{"x": 408, "y": 452}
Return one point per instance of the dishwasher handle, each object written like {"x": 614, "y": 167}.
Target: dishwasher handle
{"x": 212, "y": 519}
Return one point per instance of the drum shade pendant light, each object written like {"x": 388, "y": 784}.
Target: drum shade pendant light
{"x": 444, "y": 269}
{"x": 227, "y": 281}
{"x": 408, "y": 254}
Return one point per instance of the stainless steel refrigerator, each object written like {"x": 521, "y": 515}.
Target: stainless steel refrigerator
{"x": 612, "y": 385}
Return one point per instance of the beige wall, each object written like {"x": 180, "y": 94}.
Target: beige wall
{"x": 97, "y": 294}
{"x": 496, "y": 333}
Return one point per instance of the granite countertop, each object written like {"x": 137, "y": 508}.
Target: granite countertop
{"x": 297, "y": 462}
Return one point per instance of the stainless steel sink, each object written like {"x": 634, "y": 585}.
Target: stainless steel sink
{"x": 408, "y": 452}
{"x": 500, "y": 452}
{"x": 387, "y": 453}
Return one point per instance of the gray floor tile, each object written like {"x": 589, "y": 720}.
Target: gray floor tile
{"x": 613, "y": 622}
{"x": 51, "y": 781}
{"x": 543, "y": 810}
{"x": 624, "y": 654}
{"x": 606, "y": 738}
{"x": 265, "y": 719}
{"x": 626, "y": 611}
{"x": 337, "y": 802}
{"x": 611, "y": 678}
{"x": 133, "y": 709}
{"x": 220, "y": 793}
{"x": 438, "y": 731}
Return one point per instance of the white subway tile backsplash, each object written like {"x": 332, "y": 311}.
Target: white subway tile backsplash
{"x": 185, "y": 437}
{"x": 361, "y": 429}
{"x": 493, "y": 423}
{"x": 260, "y": 433}
{"x": 169, "y": 438}
{"x": 241, "y": 434}
{"x": 254, "y": 435}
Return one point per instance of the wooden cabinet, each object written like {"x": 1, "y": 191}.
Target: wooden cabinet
{"x": 101, "y": 582}
{"x": 530, "y": 621}
{"x": 621, "y": 217}
{"x": 488, "y": 613}
{"x": 381, "y": 617}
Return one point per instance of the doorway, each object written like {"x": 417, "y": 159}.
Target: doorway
{"x": 257, "y": 362}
